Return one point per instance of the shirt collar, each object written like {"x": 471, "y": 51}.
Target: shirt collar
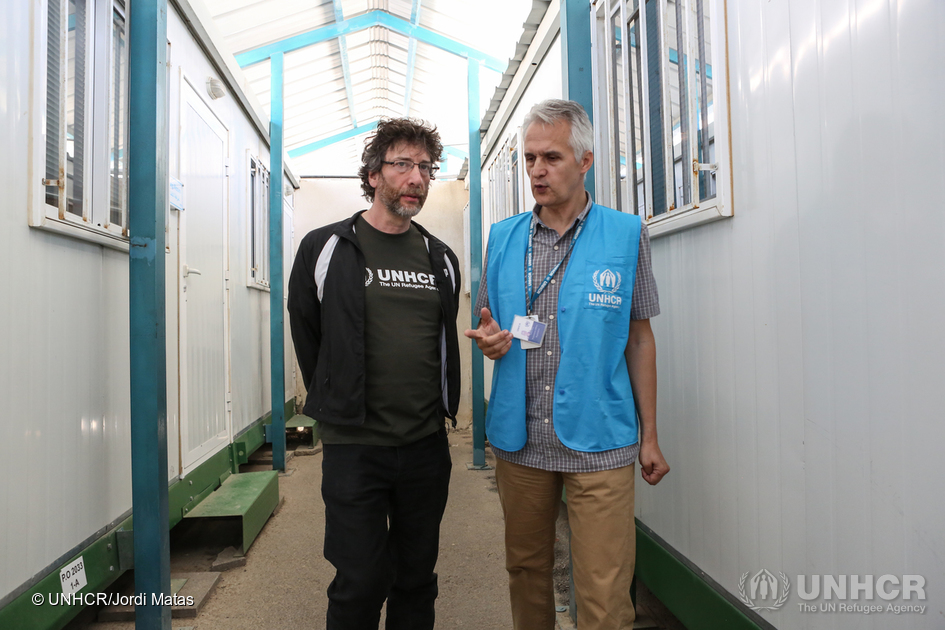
{"x": 587, "y": 208}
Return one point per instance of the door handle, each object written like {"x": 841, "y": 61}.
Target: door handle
{"x": 188, "y": 271}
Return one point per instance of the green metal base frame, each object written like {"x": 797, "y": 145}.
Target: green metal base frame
{"x": 695, "y": 599}
{"x": 101, "y": 569}
{"x": 185, "y": 494}
{"x": 254, "y": 436}
{"x": 103, "y": 564}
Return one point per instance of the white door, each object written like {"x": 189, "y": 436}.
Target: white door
{"x": 204, "y": 423}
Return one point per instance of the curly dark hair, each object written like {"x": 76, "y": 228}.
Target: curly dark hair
{"x": 392, "y": 131}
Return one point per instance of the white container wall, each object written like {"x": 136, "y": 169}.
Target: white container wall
{"x": 65, "y": 464}
{"x": 800, "y": 343}
{"x": 65, "y": 458}
{"x": 800, "y": 346}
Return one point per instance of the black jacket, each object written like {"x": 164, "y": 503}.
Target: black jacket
{"x": 326, "y": 315}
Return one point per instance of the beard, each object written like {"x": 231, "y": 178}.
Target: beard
{"x": 391, "y": 198}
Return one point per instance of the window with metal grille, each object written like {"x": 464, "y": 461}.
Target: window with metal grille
{"x": 660, "y": 110}
{"x": 505, "y": 181}
{"x": 84, "y": 170}
{"x": 259, "y": 214}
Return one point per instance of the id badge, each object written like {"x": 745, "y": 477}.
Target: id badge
{"x": 528, "y": 330}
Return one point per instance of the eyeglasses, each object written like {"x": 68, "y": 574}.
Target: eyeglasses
{"x": 405, "y": 166}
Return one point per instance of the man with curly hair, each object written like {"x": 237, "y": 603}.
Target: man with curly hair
{"x": 372, "y": 306}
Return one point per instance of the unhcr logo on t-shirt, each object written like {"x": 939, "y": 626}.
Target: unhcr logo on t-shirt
{"x": 607, "y": 283}
{"x": 394, "y": 278}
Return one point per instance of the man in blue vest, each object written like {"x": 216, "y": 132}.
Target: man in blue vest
{"x": 565, "y": 303}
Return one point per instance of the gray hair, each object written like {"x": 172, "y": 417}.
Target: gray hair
{"x": 552, "y": 110}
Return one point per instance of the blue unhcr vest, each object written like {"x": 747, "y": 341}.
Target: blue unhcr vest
{"x": 593, "y": 402}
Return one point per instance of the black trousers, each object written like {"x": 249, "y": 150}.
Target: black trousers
{"x": 383, "y": 507}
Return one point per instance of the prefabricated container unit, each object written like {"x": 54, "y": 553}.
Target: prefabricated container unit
{"x": 64, "y": 320}
{"x": 785, "y": 157}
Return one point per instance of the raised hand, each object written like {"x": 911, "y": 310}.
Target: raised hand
{"x": 493, "y": 341}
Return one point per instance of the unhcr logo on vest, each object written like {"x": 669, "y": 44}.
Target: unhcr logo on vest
{"x": 607, "y": 283}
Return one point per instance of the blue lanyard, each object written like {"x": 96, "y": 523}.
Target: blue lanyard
{"x": 528, "y": 283}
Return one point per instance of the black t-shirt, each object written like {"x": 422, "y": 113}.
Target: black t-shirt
{"x": 403, "y": 320}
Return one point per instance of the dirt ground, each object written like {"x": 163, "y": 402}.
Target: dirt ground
{"x": 283, "y": 582}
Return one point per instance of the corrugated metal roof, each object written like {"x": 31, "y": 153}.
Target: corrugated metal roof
{"x": 338, "y": 83}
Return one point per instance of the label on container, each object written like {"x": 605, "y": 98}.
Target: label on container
{"x": 72, "y": 577}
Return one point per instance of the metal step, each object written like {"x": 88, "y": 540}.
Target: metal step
{"x": 250, "y": 497}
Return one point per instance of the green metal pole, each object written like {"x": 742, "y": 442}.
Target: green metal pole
{"x": 475, "y": 263}
{"x": 276, "y": 319}
{"x": 577, "y": 80}
{"x": 147, "y": 208}
{"x": 578, "y": 84}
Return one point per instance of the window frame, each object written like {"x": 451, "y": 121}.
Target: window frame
{"x": 506, "y": 179}
{"x": 94, "y": 224}
{"x": 258, "y": 195}
{"x": 608, "y": 136}
{"x": 106, "y": 113}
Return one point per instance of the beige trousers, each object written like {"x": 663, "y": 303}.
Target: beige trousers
{"x": 603, "y": 544}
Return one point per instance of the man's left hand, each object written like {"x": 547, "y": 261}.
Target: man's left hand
{"x": 652, "y": 463}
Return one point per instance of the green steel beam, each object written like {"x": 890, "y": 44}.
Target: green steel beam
{"x": 276, "y": 290}
{"x": 577, "y": 80}
{"x": 360, "y": 23}
{"x": 338, "y": 137}
{"x": 148, "y": 204}
{"x": 458, "y": 153}
{"x": 475, "y": 260}
{"x": 411, "y": 57}
{"x": 345, "y": 66}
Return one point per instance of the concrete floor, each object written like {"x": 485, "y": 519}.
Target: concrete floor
{"x": 283, "y": 582}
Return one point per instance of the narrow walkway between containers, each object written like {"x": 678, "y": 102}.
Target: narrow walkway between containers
{"x": 282, "y": 583}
